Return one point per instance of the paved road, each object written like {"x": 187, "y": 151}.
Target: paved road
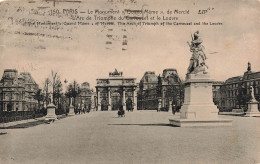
{"x": 140, "y": 137}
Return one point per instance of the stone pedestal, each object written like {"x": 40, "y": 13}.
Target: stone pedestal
{"x": 159, "y": 105}
{"x": 51, "y": 112}
{"x": 252, "y": 109}
{"x": 198, "y": 108}
{"x": 135, "y": 101}
{"x": 109, "y": 100}
{"x": 123, "y": 100}
{"x": 170, "y": 107}
{"x": 109, "y": 107}
{"x": 71, "y": 110}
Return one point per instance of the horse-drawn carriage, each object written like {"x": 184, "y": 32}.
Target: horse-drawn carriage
{"x": 121, "y": 113}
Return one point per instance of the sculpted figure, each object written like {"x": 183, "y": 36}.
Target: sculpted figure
{"x": 252, "y": 94}
{"x": 198, "y": 55}
{"x": 194, "y": 61}
{"x": 51, "y": 95}
{"x": 248, "y": 66}
{"x": 196, "y": 35}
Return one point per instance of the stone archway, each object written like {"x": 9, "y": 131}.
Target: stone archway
{"x": 116, "y": 100}
{"x": 104, "y": 105}
{"x": 9, "y": 106}
{"x": 129, "y": 104}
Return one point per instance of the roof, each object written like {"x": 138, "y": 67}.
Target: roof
{"x": 233, "y": 79}
{"x": 251, "y": 75}
{"x": 169, "y": 69}
{"x": 85, "y": 85}
{"x": 149, "y": 77}
{"x": 218, "y": 82}
{"x": 10, "y": 70}
{"x": 27, "y": 77}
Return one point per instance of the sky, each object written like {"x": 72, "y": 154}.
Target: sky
{"x": 81, "y": 53}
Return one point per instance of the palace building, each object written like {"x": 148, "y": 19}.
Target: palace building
{"x": 235, "y": 93}
{"x": 168, "y": 89}
{"x": 147, "y": 95}
{"x": 17, "y": 91}
{"x": 115, "y": 92}
{"x": 86, "y": 97}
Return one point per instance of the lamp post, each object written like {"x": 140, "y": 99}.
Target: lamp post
{"x": 65, "y": 108}
{"x": 72, "y": 94}
{"x": 83, "y": 106}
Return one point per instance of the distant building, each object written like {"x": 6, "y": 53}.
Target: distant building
{"x": 17, "y": 92}
{"x": 171, "y": 89}
{"x": 235, "y": 93}
{"x": 217, "y": 90}
{"x": 147, "y": 95}
{"x": 167, "y": 88}
{"x": 116, "y": 92}
{"x": 86, "y": 97}
{"x": 230, "y": 93}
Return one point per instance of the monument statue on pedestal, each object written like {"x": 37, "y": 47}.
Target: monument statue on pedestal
{"x": 252, "y": 105}
{"x": 51, "y": 116}
{"x": 71, "y": 108}
{"x": 198, "y": 108}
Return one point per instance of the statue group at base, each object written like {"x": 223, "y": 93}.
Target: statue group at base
{"x": 198, "y": 108}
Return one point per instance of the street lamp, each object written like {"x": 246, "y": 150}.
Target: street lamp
{"x": 83, "y": 106}
{"x": 65, "y": 108}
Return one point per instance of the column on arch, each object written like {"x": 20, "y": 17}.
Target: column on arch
{"x": 14, "y": 106}
{"x": 135, "y": 98}
{"x": 20, "y": 108}
{"x": 98, "y": 100}
{"x": 5, "y": 106}
{"x": 109, "y": 99}
{"x": 123, "y": 99}
{"x": 163, "y": 97}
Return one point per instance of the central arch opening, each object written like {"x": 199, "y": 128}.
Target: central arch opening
{"x": 116, "y": 100}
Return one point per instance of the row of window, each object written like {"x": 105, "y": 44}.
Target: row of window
{"x": 253, "y": 82}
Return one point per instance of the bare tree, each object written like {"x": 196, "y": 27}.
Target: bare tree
{"x": 55, "y": 83}
{"x": 56, "y": 87}
{"x": 73, "y": 90}
{"x": 46, "y": 90}
{"x": 39, "y": 97}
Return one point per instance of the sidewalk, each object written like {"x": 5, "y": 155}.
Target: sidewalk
{"x": 26, "y": 123}
{"x": 232, "y": 113}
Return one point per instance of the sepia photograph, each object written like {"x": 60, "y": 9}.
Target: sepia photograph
{"x": 129, "y": 82}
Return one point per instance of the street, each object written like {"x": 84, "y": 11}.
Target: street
{"x": 139, "y": 137}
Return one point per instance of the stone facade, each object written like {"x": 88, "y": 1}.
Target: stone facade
{"x": 116, "y": 92}
{"x": 235, "y": 93}
{"x": 147, "y": 95}
{"x": 86, "y": 97}
{"x": 168, "y": 89}
{"x": 217, "y": 92}
{"x": 17, "y": 92}
{"x": 171, "y": 89}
